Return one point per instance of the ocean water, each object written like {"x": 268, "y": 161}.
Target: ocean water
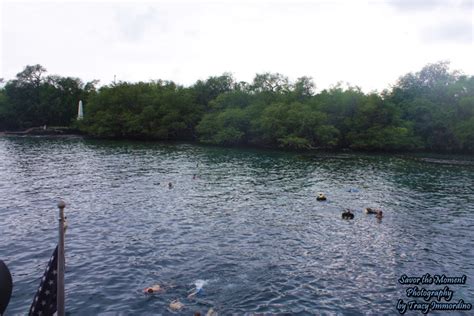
{"x": 247, "y": 229}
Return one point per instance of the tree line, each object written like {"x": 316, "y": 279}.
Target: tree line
{"x": 431, "y": 110}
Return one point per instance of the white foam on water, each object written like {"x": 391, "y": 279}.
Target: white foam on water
{"x": 199, "y": 284}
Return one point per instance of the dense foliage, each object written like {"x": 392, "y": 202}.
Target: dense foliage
{"x": 33, "y": 99}
{"x": 432, "y": 109}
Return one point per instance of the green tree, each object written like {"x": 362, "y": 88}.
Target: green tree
{"x": 377, "y": 126}
{"x": 270, "y": 82}
{"x": 207, "y": 90}
{"x": 303, "y": 89}
{"x": 228, "y": 127}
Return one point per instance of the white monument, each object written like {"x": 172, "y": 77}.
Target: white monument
{"x": 80, "y": 111}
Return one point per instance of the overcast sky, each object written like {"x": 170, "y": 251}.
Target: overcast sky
{"x": 365, "y": 43}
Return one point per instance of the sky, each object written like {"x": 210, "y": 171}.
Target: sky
{"x": 369, "y": 44}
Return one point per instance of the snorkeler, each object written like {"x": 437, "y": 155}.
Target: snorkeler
{"x": 153, "y": 289}
{"x": 176, "y": 305}
{"x": 369, "y": 210}
{"x": 198, "y": 289}
{"x": 321, "y": 197}
{"x": 347, "y": 214}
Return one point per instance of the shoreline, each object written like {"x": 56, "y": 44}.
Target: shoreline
{"x": 43, "y": 131}
{"x": 74, "y": 133}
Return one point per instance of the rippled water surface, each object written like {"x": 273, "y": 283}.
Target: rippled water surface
{"x": 249, "y": 225}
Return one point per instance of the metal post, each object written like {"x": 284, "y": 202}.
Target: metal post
{"x": 60, "y": 288}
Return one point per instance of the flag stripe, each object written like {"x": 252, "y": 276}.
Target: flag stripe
{"x": 44, "y": 302}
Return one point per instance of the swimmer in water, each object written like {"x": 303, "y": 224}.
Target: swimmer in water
{"x": 193, "y": 294}
{"x": 379, "y": 214}
{"x": 198, "y": 289}
{"x": 153, "y": 289}
{"x": 347, "y": 214}
{"x": 369, "y": 210}
{"x": 176, "y": 305}
{"x": 321, "y": 197}
{"x": 170, "y": 185}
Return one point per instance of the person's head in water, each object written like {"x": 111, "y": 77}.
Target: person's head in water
{"x": 170, "y": 185}
{"x": 153, "y": 289}
{"x": 194, "y": 176}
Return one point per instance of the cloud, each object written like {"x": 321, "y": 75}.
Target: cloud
{"x": 368, "y": 43}
{"x": 415, "y": 5}
{"x": 467, "y": 4}
{"x": 437, "y": 21}
{"x": 428, "y": 5}
{"x": 454, "y": 31}
{"x": 133, "y": 23}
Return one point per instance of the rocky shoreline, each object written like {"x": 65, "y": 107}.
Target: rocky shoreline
{"x": 44, "y": 130}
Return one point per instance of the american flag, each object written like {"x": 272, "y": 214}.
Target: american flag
{"x": 44, "y": 302}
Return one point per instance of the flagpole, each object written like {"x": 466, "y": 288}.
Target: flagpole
{"x": 60, "y": 288}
